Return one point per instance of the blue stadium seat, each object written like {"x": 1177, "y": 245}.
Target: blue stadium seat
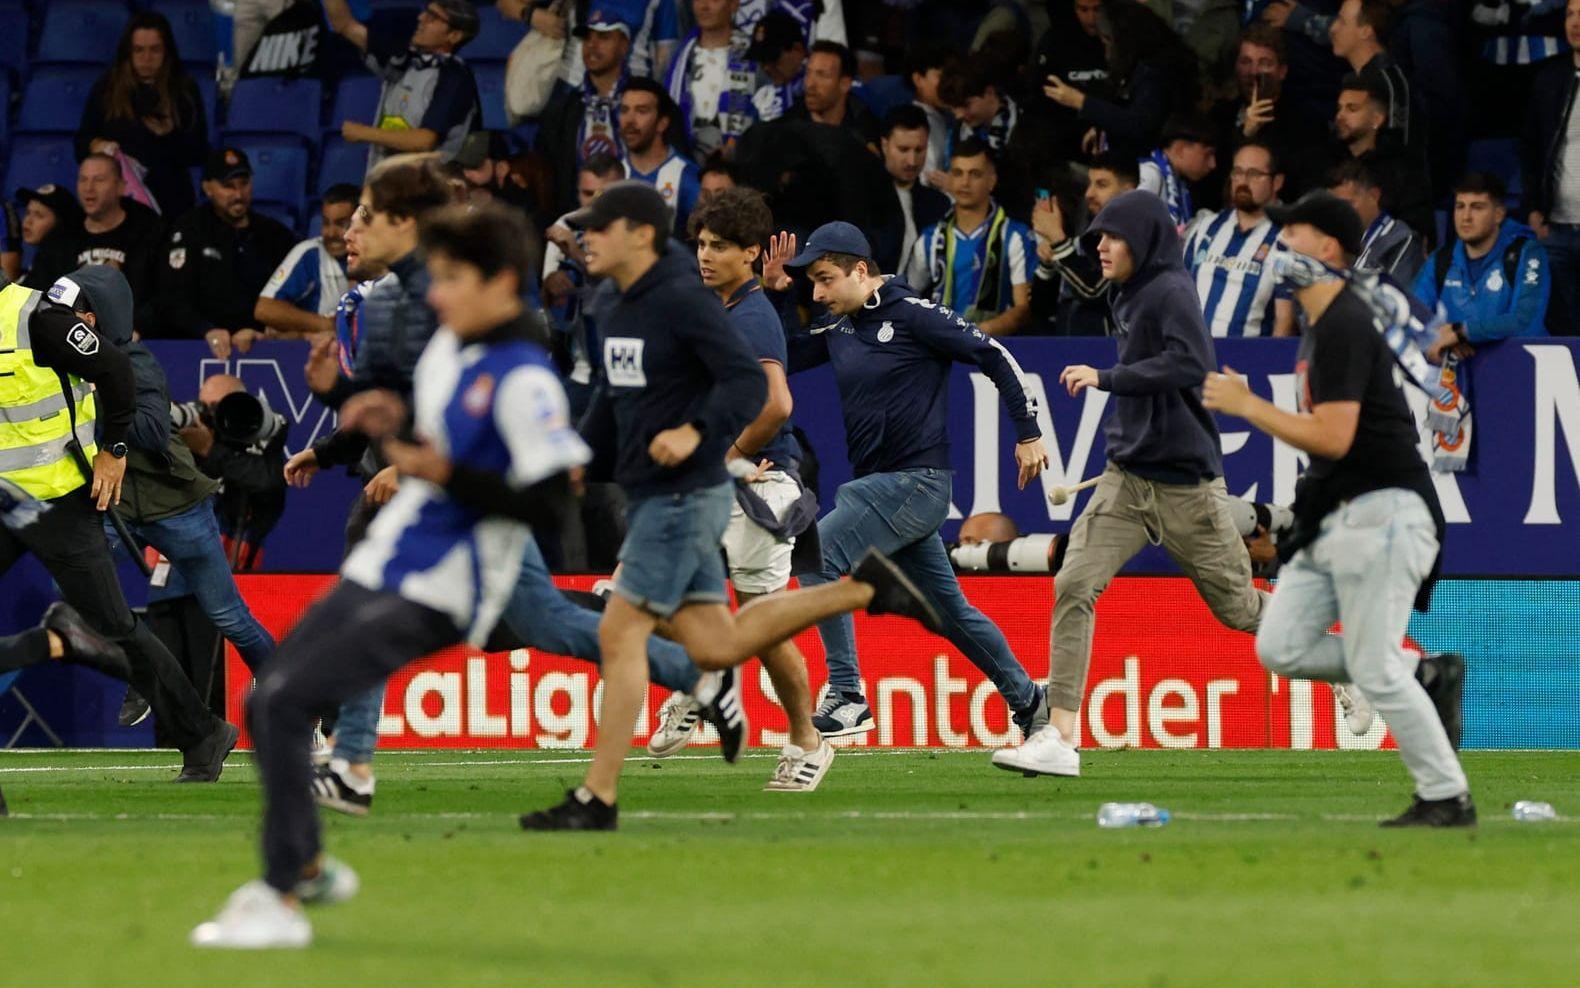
{"x": 1499, "y": 156}
{"x": 883, "y": 93}
{"x": 82, "y": 31}
{"x": 53, "y": 100}
{"x": 276, "y": 106}
{"x": 356, "y": 98}
{"x": 281, "y": 211}
{"x": 491, "y": 90}
{"x": 13, "y": 42}
{"x": 39, "y": 161}
{"x": 342, "y": 162}
{"x": 5, "y": 114}
{"x": 192, "y": 23}
{"x": 279, "y": 172}
{"x": 496, "y": 37}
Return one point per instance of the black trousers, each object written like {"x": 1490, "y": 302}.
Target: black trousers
{"x": 69, "y": 541}
{"x": 26, "y": 649}
{"x": 346, "y": 644}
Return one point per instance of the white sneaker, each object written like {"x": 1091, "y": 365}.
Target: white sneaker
{"x": 255, "y": 917}
{"x": 1044, "y": 753}
{"x": 334, "y": 883}
{"x": 1359, "y": 714}
{"x": 800, "y": 770}
{"x": 677, "y": 721}
{"x": 322, "y": 749}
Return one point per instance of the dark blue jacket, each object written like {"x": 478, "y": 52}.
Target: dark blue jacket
{"x": 1157, "y": 427}
{"x": 891, "y": 363}
{"x": 670, "y": 355}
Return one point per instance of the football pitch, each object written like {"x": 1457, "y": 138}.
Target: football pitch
{"x": 907, "y": 868}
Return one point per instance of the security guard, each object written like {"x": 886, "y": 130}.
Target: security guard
{"x": 54, "y": 371}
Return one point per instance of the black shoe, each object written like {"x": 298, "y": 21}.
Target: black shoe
{"x": 1035, "y": 717}
{"x": 894, "y": 593}
{"x": 331, "y": 790}
{"x": 580, "y": 811}
{"x": 84, "y": 646}
{"x": 586, "y": 598}
{"x": 728, "y": 717}
{"x": 204, "y": 761}
{"x": 1443, "y": 676}
{"x": 134, "y": 709}
{"x": 1457, "y": 812}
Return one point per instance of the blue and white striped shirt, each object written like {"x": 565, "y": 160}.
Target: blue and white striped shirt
{"x": 1233, "y": 278}
{"x": 308, "y": 278}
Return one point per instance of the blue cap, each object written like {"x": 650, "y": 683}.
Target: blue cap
{"x": 838, "y": 237}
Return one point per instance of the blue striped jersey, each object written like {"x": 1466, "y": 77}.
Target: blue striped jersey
{"x": 678, "y": 180}
{"x": 308, "y": 278}
{"x": 1232, "y": 273}
{"x": 493, "y": 406}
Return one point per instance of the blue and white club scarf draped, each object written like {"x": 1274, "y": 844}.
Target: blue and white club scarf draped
{"x": 1408, "y": 327}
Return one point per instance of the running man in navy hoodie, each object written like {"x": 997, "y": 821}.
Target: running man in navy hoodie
{"x": 1164, "y": 481}
{"x": 892, "y": 353}
{"x": 681, "y": 383}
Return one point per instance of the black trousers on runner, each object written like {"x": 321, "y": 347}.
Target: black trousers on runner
{"x": 348, "y": 642}
{"x": 29, "y": 648}
{"x": 69, "y": 540}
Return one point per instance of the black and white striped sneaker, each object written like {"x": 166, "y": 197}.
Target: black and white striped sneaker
{"x": 727, "y": 715}
{"x": 800, "y": 770}
{"x": 332, "y": 789}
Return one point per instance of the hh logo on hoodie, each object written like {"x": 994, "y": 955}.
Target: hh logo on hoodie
{"x": 622, "y": 362}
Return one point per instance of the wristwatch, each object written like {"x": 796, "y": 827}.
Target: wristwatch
{"x": 118, "y": 451}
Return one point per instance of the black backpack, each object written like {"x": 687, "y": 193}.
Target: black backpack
{"x": 1444, "y": 259}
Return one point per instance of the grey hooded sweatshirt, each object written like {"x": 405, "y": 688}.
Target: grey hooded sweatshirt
{"x": 1157, "y": 427}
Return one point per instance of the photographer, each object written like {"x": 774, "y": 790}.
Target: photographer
{"x": 165, "y": 500}
{"x": 238, "y": 440}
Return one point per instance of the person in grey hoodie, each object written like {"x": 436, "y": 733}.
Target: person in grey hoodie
{"x": 1164, "y": 479}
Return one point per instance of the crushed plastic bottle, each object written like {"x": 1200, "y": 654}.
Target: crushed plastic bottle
{"x": 1111, "y": 816}
{"x": 1531, "y": 811}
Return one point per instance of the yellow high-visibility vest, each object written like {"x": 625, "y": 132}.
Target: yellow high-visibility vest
{"x": 35, "y": 423}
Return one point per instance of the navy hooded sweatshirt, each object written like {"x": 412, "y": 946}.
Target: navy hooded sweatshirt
{"x": 1157, "y": 427}
{"x": 891, "y": 362}
{"x": 671, "y": 356}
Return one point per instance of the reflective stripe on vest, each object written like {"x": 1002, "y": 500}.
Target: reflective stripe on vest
{"x": 35, "y": 417}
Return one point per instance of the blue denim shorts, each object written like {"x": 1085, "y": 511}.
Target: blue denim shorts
{"x": 671, "y": 555}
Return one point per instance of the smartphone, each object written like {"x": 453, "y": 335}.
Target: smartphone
{"x": 1044, "y": 194}
{"x": 1266, "y": 85}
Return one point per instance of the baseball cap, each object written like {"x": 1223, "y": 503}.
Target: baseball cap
{"x": 460, "y": 15}
{"x": 638, "y": 203}
{"x": 224, "y": 164}
{"x": 56, "y": 199}
{"x": 774, "y": 35}
{"x": 838, "y": 237}
{"x": 602, "y": 19}
{"x": 1328, "y": 213}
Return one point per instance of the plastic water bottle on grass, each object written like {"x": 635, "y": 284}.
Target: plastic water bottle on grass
{"x": 1111, "y": 816}
{"x": 1531, "y": 811}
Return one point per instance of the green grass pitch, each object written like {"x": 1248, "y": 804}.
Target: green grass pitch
{"x": 908, "y": 868}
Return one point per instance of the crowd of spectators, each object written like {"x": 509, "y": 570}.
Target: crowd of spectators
{"x": 971, "y": 139}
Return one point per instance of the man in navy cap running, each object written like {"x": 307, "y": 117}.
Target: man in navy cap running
{"x": 892, "y": 353}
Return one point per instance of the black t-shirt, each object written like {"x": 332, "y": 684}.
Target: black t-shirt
{"x": 1343, "y": 358}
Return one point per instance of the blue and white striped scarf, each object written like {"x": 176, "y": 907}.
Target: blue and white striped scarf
{"x": 1408, "y": 328}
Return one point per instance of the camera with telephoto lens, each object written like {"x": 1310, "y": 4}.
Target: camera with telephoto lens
{"x": 1248, "y": 515}
{"x": 241, "y": 419}
{"x": 1027, "y": 554}
{"x": 187, "y": 413}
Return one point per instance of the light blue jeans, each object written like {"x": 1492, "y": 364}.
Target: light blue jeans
{"x": 545, "y": 619}
{"x": 899, "y": 514}
{"x": 192, "y": 543}
{"x": 1364, "y": 570}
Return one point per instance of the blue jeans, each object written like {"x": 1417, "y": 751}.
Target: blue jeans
{"x": 545, "y": 620}
{"x": 1563, "y": 261}
{"x": 191, "y": 541}
{"x": 899, "y": 514}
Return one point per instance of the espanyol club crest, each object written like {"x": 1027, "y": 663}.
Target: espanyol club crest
{"x": 479, "y": 397}
{"x": 1495, "y": 281}
{"x": 1261, "y": 253}
{"x": 886, "y": 332}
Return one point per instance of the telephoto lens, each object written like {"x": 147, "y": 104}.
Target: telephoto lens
{"x": 185, "y": 413}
